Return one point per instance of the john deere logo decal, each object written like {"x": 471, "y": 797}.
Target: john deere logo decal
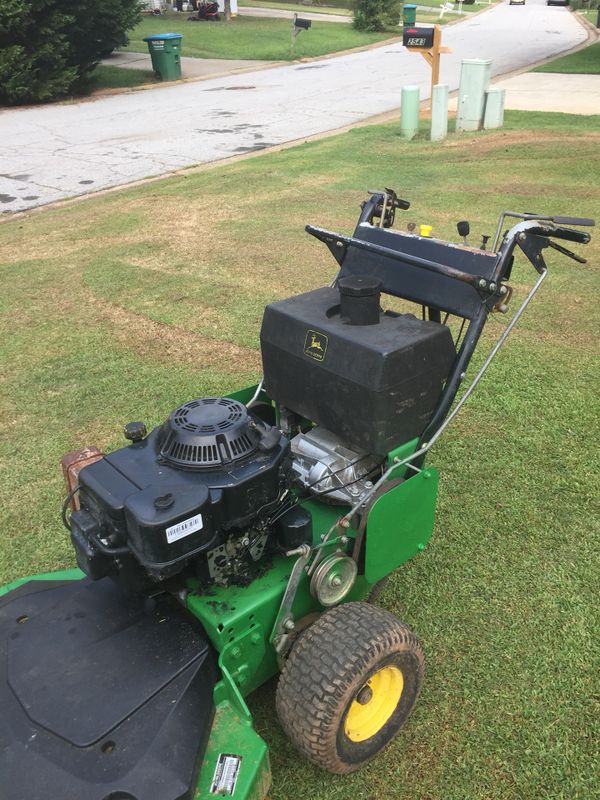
{"x": 315, "y": 345}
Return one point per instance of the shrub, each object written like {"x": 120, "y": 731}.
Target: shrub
{"x": 376, "y": 15}
{"x": 49, "y": 48}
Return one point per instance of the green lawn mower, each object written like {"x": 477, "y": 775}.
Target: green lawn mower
{"x": 249, "y": 535}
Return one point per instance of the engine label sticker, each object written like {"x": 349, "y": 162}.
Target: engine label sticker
{"x": 185, "y": 528}
{"x": 226, "y": 774}
{"x": 315, "y": 345}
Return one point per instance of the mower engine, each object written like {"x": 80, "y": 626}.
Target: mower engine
{"x": 214, "y": 491}
{"x": 327, "y": 467}
{"x": 190, "y": 494}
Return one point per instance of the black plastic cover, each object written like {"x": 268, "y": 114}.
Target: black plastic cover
{"x": 208, "y": 432}
{"x": 101, "y": 698}
{"x": 294, "y": 528}
{"x": 165, "y": 514}
{"x": 374, "y": 386}
{"x": 360, "y": 296}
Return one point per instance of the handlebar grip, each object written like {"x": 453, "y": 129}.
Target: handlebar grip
{"x": 570, "y": 235}
{"x": 403, "y": 204}
{"x": 585, "y": 221}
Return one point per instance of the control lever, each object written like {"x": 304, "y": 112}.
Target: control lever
{"x": 463, "y": 229}
{"x": 566, "y": 252}
{"x": 484, "y": 240}
{"x": 398, "y": 202}
{"x": 557, "y": 220}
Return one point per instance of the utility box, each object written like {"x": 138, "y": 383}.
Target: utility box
{"x": 165, "y": 52}
{"x": 418, "y": 38}
{"x": 494, "y": 108}
{"x": 474, "y": 82}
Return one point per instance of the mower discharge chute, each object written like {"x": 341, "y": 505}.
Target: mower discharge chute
{"x": 249, "y": 535}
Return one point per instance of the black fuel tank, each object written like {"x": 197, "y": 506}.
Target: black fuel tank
{"x": 375, "y": 386}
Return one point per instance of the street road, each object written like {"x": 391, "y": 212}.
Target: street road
{"x": 61, "y": 150}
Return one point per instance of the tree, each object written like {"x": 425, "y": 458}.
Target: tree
{"x": 376, "y": 15}
{"x": 101, "y": 26}
{"x": 49, "y": 48}
{"x": 33, "y": 45}
{"x": 227, "y": 9}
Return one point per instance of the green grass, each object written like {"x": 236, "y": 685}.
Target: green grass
{"x": 586, "y": 61}
{"x": 123, "y": 306}
{"x": 107, "y": 77}
{"x": 591, "y": 14}
{"x": 330, "y": 8}
{"x": 252, "y": 37}
{"x": 433, "y": 17}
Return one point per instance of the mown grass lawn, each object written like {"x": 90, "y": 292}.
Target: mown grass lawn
{"x": 108, "y": 77}
{"x": 124, "y": 305}
{"x": 329, "y": 8}
{"x": 252, "y": 37}
{"x": 586, "y": 61}
{"x": 342, "y": 8}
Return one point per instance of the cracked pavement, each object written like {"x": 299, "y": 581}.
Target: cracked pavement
{"x": 53, "y": 152}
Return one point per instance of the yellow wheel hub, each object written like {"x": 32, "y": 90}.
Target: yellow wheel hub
{"x": 374, "y": 704}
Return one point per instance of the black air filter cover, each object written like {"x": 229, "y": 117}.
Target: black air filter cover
{"x": 374, "y": 386}
{"x": 208, "y": 433}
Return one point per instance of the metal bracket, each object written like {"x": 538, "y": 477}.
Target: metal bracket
{"x": 532, "y": 245}
{"x": 284, "y": 621}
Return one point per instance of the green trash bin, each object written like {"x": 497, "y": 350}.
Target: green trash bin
{"x": 165, "y": 51}
{"x": 409, "y": 15}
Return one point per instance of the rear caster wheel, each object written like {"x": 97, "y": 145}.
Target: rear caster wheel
{"x": 349, "y": 685}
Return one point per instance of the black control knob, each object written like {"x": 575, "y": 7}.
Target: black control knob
{"x": 464, "y": 229}
{"x": 135, "y": 431}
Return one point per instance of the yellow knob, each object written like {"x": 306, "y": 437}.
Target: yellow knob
{"x": 425, "y": 230}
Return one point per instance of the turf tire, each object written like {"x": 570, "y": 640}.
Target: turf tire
{"x": 327, "y": 669}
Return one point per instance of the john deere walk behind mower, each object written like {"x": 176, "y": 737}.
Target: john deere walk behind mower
{"x": 247, "y": 535}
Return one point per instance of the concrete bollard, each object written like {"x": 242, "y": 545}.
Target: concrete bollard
{"x": 409, "y": 112}
{"x": 474, "y": 82}
{"x": 439, "y": 112}
{"x": 494, "y": 108}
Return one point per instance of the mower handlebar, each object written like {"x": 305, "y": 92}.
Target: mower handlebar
{"x": 533, "y": 236}
{"x": 584, "y": 221}
{"x": 569, "y": 235}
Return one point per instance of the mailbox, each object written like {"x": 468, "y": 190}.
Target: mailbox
{"x": 302, "y": 23}
{"x": 418, "y": 37}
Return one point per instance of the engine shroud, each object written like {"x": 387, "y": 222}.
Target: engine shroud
{"x": 208, "y": 432}
{"x": 180, "y": 491}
